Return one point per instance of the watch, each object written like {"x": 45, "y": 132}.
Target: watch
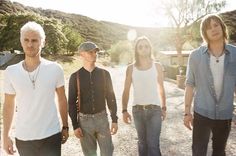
{"x": 65, "y": 128}
{"x": 124, "y": 110}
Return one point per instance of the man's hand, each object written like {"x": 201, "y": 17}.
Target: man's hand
{"x": 64, "y": 135}
{"x": 114, "y": 128}
{"x": 126, "y": 117}
{"x": 8, "y": 146}
{"x": 163, "y": 115}
{"x": 188, "y": 121}
{"x": 78, "y": 133}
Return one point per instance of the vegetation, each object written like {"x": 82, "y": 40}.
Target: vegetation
{"x": 121, "y": 53}
{"x": 59, "y": 37}
{"x": 184, "y": 15}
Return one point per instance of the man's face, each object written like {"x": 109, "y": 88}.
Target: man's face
{"x": 90, "y": 56}
{"x": 143, "y": 48}
{"x": 31, "y": 43}
{"x": 214, "y": 31}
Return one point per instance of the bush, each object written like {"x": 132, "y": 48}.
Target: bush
{"x": 172, "y": 71}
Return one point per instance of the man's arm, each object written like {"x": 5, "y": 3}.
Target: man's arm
{"x": 125, "y": 95}
{"x": 62, "y": 105}
{"x": 111, "y": 102}
{"x": 188, "y": 98}
{"x": 72, "y": 100}
{"x": 160, "y": 80}
{"x": 8, "y": 113}
{"x": 110, "y": 97}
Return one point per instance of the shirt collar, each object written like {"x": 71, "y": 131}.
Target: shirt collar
{"x": 205, "y": 49}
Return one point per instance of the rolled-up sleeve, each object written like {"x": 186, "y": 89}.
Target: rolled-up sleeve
{"x": 190, "y": 75}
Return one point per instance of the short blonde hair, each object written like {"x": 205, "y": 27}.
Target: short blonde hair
{"x": 206, "y": 23}
{"x": 33, "y": 26}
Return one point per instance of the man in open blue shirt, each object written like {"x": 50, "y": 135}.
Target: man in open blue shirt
{"x": 211, "y": 80}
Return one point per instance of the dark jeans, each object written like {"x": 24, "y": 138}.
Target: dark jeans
{"x": 148, "y": 126}
{"x": 202, "y": 127}
{"x": 50, "y": 146}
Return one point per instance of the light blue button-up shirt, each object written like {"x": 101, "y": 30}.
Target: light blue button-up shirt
{"x": 199, "y": 76}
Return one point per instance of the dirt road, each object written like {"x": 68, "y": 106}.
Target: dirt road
{"x": 175, "y": 138}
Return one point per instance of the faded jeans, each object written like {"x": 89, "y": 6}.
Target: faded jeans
{"x": 148, "y": 126}
{"x": 95, "y": 130}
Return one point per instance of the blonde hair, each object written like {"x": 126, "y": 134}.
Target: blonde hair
{"x": 205, "y": 24}
{"x": 32, "y": 26}
{"x": 136, "y": 54}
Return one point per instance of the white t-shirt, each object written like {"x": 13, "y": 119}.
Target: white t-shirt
{"x": 217, "y": 70}
{"x": 37, "y": 116}
{"x": 145, "y": 86}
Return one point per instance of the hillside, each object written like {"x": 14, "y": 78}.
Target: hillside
{"x": 102, "y": 32}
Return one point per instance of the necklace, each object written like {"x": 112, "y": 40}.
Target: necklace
{"x": 34, "y": 77}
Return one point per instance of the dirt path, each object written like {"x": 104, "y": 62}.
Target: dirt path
{"x": 175, "y": 138}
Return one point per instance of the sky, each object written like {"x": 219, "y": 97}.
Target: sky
{"x": 129, "y": 12}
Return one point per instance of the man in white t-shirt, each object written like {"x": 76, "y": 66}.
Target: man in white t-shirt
{"x": 30, "y": 85}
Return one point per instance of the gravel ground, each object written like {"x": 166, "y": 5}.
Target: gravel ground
{"x": 175, "y": 138}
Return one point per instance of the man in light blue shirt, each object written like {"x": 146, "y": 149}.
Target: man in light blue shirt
{"x": 211, "y": 81}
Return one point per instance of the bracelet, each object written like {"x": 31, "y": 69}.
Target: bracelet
{"x": 187, "y": 114}
{"x": 164, "y": 108}
{"x": 124, "y": 110}
{"x": 65, "y": 128}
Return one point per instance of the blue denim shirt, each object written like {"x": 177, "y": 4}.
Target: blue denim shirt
{"x": 200, "y": 77}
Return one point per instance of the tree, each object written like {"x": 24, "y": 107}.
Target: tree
{"x": 184, "y": 14}
{"x": 121, "y": 52}
{"x": 73, "y": 37}
{"x": 56, "y": 40}
{"x": 10, "y": 32}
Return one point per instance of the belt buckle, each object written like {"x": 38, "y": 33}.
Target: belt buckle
{"x": 145, "y": 107}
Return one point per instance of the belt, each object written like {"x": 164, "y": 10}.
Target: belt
{"x": 92, "y": 115}
{"x": 143, "y": 107}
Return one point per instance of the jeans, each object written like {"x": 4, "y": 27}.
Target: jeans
{"x": 96, "y": 130}
{"x": 50, "y": 146}
{"x": 202, "y": 127}
{"x": 148, "y": 126}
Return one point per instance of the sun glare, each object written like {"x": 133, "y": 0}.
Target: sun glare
{"x": 131, "y": 35}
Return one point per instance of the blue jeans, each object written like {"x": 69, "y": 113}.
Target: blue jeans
{"x": 50, "y": 146}
{"x": 148, "y": 126}
{"x": 95, "y": 130}
{"x": 202, "y": 127}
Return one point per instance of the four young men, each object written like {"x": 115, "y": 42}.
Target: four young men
{"x": 31, "y": 86}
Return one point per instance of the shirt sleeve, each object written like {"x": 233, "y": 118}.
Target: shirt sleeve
{"x": 110, "y": 97}
{"x": 72, "y": 101}
{"x": 190, "y": 77}
{"x": 8, "y": 87}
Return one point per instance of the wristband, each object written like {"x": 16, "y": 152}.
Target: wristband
{"x": 187, "y": 114}
{"x": 164, "y": 108}
{"x": 65, "y": 128}
{"x": 124, "y": 110}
